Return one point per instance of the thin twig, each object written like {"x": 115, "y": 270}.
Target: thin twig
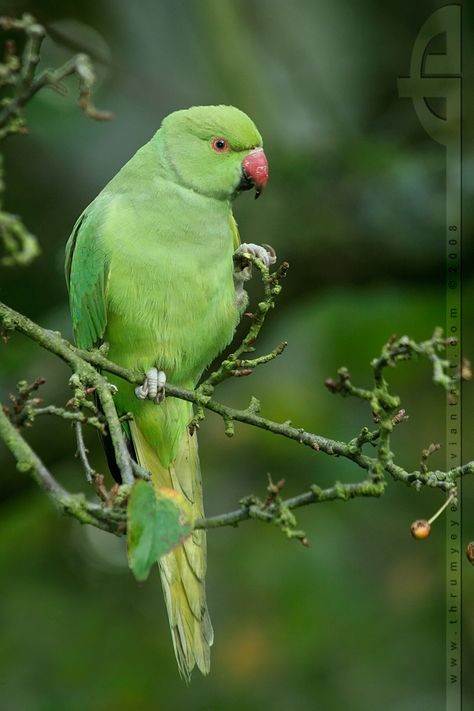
{"x": 82, "y": 452}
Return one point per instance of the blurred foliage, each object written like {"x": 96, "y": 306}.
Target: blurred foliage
{"x": 356, "y": 205}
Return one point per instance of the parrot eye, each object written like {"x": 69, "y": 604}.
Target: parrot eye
{"x": 220, "y": 145}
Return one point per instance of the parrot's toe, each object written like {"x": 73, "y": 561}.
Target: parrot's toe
{"x": 153, "y": 387}
{"x": 263, "y": 252}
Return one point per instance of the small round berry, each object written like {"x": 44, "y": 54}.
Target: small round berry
{"x": 470, "y": 552}
{"x": 420, "y": 529}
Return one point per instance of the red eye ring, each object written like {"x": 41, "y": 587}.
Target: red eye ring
{"x": 220, "y": 145}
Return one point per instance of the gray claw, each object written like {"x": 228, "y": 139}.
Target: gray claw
{"x": 272, "y": 257}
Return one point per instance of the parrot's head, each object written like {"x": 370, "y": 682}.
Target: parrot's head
{"x": 214, "y": 150}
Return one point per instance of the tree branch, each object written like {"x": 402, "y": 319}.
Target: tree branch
{"x": 20, "y": 84}
{"x": 384, "y": 406}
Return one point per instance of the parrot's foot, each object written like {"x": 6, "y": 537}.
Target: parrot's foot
{"x": 264, "y": 252}
{"x": 153, "y": 387}
{"x": 243, "y": 268}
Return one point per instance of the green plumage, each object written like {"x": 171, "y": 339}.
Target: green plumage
{"x": 150, "y": 271}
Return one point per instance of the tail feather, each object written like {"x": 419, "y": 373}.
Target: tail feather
{"x": 183, "y": 570}
{"x": 192, "y": 549}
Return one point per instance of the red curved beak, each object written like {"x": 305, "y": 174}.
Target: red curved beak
{"x": 255, "y": 169}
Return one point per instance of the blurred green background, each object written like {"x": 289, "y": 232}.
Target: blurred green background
{"x": 356, "y": 204}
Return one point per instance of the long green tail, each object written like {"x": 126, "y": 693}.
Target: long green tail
{"x": 183, "y": 570}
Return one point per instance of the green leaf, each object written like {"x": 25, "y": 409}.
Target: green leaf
{"x": 156, "y": 525}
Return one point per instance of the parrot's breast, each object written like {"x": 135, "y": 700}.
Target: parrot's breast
{"x": 170, "y": 296}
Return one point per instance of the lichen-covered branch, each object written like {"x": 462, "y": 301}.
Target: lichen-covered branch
{"x": 76, "y": 505}
{"x": 18, "y": 74}
{"x": 84, "y": 377}
{"x": 384, "y": 406}
{"x": 52, "y": 341}
{"x": 19, "y": 83}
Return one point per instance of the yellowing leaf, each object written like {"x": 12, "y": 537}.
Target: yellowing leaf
{"x": 156, "y": 525}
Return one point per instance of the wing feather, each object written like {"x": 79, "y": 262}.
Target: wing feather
{"x": 86, "y": 276}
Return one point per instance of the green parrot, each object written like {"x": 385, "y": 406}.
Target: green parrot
{"x": 150, "y": 271}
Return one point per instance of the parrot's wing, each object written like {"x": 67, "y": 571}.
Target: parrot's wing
{"x": 86, "y": 276}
